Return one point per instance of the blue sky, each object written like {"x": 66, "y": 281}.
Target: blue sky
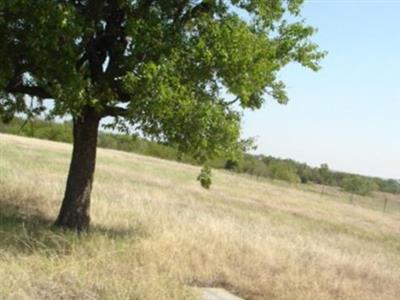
{"x": 348, "y": 113}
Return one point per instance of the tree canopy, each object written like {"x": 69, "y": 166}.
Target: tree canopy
{"x": 163, "y": 66}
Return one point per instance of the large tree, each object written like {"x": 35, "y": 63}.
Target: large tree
{"x": 165, "y": 68}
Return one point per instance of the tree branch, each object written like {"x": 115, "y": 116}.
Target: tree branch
{"x": 119, "y": 90}
{"x": 201, "y": 8}
{"x": 232, "y": 101}
{"x": 142, "y": 7}
{"x": 34, "y": 91}
{"x": 179, "y": 10}
{"x": 114, "y": 111}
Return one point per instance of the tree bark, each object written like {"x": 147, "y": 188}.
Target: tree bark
{"x": 75, "y": 209}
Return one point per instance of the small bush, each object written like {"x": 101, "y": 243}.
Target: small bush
{"x": 284, "y": 171}
{"x": 231, "y": 165}
{"x": 358, "y": 185}
{"x": 205, "y": 177}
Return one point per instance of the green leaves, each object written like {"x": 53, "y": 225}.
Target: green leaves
{"x": 205, "y": 177}
{"x": 180, "y": 112}
{"x": 358, "y": 185}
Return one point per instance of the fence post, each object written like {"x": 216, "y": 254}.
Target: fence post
{"x": 385, "y": 204}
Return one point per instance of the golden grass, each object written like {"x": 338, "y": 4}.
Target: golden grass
{"x": 156, "y": 232}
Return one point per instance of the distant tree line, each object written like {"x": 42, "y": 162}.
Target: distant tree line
{"x": 257, "y": 165}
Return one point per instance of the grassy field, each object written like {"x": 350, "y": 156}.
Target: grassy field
{"x": 156, "y": 232}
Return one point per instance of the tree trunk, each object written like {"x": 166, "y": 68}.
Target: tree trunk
{"x": 75, "y": 209}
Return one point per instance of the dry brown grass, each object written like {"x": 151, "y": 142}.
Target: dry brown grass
{"x": 156, "y": 232}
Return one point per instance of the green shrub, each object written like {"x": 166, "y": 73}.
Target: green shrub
{"x": 358, "y": 185}
{"x": 231, "y": 165}
{"x": 284, "y": 171}
{"x": 205, "y": 177}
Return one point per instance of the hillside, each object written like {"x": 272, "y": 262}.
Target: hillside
{"x": 257, "y": 165}
{"x": 156, "y": 232}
